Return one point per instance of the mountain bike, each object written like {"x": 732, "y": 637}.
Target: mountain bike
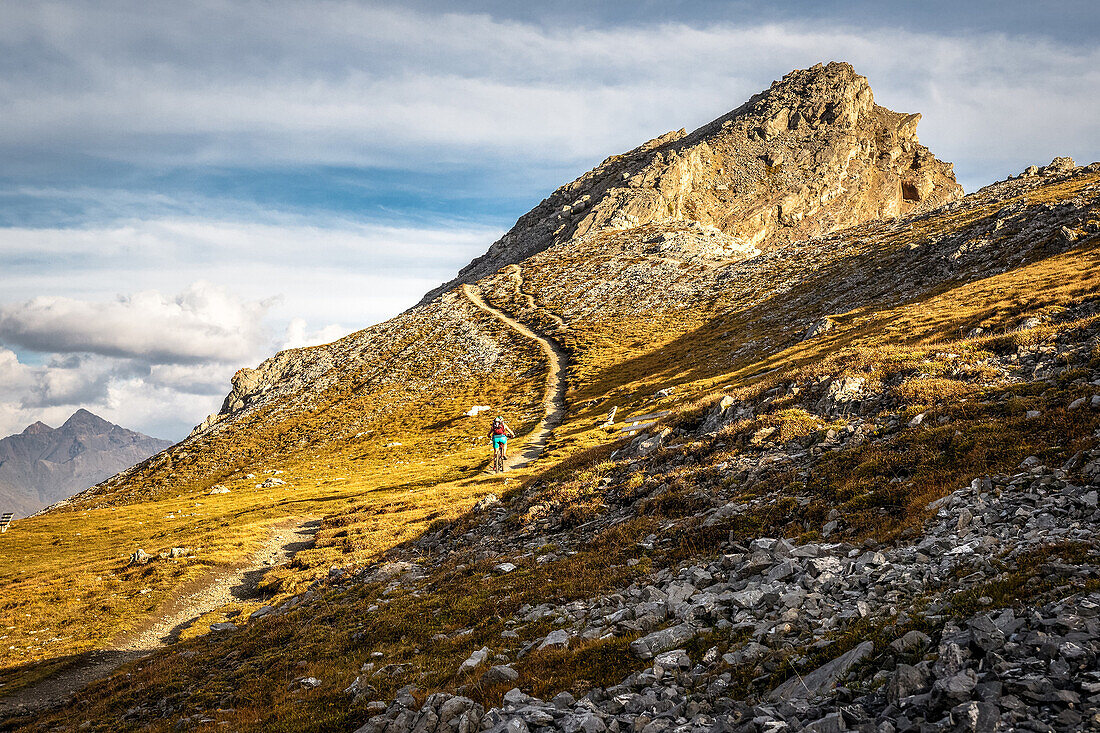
{"x": 498, "y": 457}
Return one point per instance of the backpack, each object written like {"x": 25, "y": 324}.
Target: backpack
{"x": 498, "y": 428}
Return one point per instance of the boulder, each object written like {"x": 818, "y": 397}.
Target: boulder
{"x": 822, "y": 679}
{"x": 261, "y": 612}
{"x": 499, "y": 673}
{"x": 718, "y": 414}
{"x": 842, "y": 392}
{"x": 976, "y": 717}
{"x": 905, "y": 681}
{"x": 485, "y": 502}
{"x": 474, "y": 661}
{"x": 662, "y": 641}
{"x": 557, "y": 639}
{"x": 1061, "y": 164}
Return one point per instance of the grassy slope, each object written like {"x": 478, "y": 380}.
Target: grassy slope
{"x": 619, "y": 360}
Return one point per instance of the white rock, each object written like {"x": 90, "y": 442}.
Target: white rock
{"x": 965, "y": 549}
{"x": 557, "y": 639}
{"x": 474, "y": 661}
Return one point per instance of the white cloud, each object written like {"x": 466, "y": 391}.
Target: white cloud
{"x": 203, "y": 323}
{"x": 207, "y": 378}
{"x": 299, "y": 336}
{"x": 51, "y": 392}
{"x": 342, "y": 272}
{"x": 14, "y": 376}
{"x": 68, "y": 382}
{"x": 162, "y": 400}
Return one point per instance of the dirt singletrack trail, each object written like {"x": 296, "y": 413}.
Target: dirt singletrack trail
{"x": 203, "y": 595}
{"x": 553, "y": 401}
{"x": 517, "y": 274}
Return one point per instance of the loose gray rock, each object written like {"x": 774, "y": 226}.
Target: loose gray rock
{"x": 558, "y": 639}
{"x": 499, "y": 673}
{"x": 474, "y": 661}
{"x": 822, "y": 679}
{"x": 662, "y": 641}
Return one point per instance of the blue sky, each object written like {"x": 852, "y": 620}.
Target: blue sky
{"x": 231, "y": 178}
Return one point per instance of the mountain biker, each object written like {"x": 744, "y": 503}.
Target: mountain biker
{"x": 499, "y": 434}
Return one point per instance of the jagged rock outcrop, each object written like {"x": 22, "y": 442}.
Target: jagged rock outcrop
{"x": 810, "y": 155}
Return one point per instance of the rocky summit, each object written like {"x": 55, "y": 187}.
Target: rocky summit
{"x": 810, "y": 155}
{"x": 808, "y": 441}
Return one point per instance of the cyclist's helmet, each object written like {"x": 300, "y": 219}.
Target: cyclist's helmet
{"x": 498, "y": 418}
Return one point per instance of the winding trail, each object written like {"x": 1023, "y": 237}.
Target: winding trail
{"x": 201, "y": 596}
{"x": 553, "y": 401}
{"x": 517, "y": 273}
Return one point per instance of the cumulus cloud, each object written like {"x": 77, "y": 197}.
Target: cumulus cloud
{"x": 299, "y": 336}
{"x": 328, "y": 272}
{"x": 13, "y": 375}
{"x": 207, "y": 378}
{"x": 67, "y": 382}
{"x": 203, "y": 323}
{"x": 134, "y": 396}
{"x": 149, "y": 362}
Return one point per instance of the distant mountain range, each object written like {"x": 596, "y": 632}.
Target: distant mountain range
{"x": 43, "y": 465}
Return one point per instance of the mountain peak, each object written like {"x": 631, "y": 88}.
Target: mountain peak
{"x": 84, "y": 419}
{"x": 42, "y": 465}
{"x": 810, "y": 155}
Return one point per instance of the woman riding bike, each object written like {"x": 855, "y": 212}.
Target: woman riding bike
{"x": 499, "y": 434}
